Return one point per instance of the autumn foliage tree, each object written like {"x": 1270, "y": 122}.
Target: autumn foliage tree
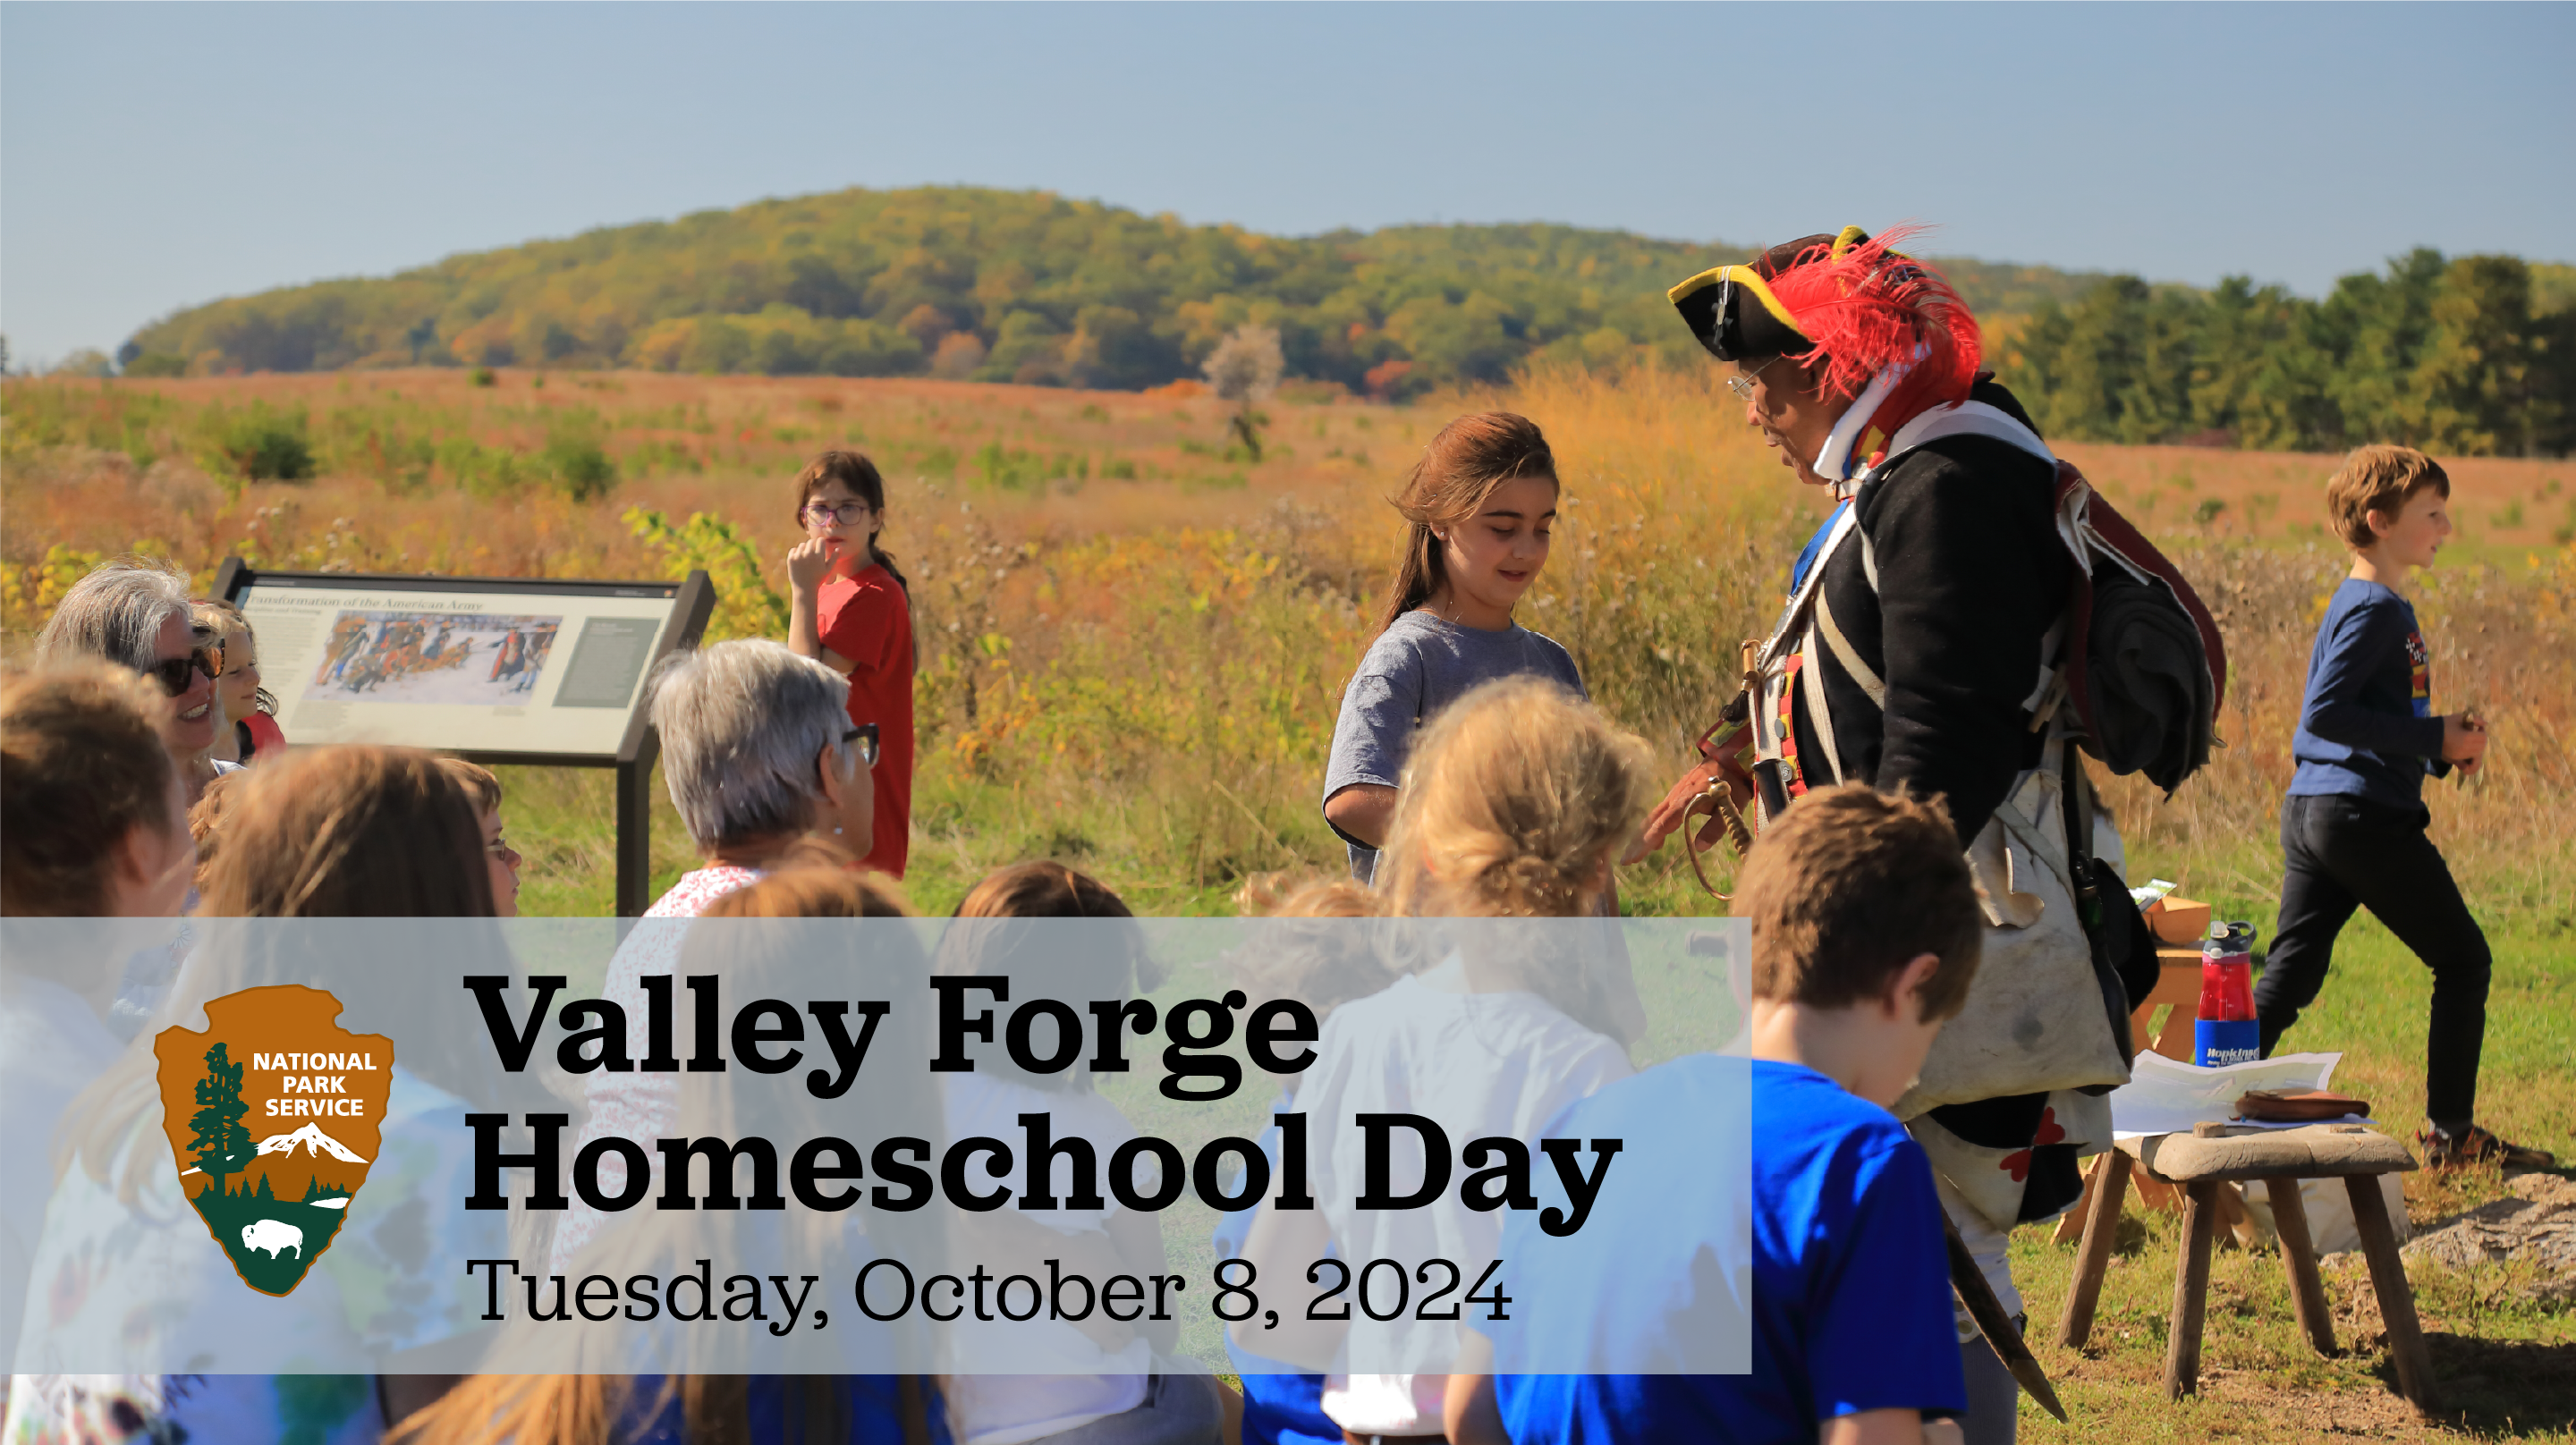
{"x": 1243, "y": 371}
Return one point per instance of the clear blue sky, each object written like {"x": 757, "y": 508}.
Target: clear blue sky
{"x": 152, "y": 157}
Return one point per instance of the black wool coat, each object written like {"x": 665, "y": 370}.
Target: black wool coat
{"x": 1971, "y": 576}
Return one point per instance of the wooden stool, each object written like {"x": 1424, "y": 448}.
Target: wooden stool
{"x": 2212, "y": 1153}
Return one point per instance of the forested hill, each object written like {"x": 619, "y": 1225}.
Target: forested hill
{"x": 995, "y": 285}
{"x": 2471, "y": 354}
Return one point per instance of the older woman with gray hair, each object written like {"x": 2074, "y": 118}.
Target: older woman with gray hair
{"x": 758, "y": 750}
{"x": 134, "y": 612}
{"x": 759, "y": 753}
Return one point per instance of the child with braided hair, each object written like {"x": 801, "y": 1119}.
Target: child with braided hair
{"x": 849, "y": 609}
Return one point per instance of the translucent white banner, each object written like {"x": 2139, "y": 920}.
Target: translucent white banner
{"x": 1055, "y": 1146}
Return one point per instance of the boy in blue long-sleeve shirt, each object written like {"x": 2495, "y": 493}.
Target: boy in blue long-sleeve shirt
{"x": 2353, "y": 826}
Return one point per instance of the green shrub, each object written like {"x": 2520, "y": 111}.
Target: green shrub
{"x": 655, "y": 457}
{"x": 260, "y": 444}
{"x": 483, "y": 376}
{"x": 1019, "y": 469}
{"x": 747, "y": 604}
{"x": 578, "y": 467}
{"x": 157, "y": 363}
{"x": 479, "y": 470}
{"x": 1009, "y": 468}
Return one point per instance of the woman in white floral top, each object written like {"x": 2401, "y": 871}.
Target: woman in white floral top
{"x": 124, "y": 1265}
{"x": 759, "y": 754}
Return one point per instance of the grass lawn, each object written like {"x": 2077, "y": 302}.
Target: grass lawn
{"x": 2506, "y": 1363}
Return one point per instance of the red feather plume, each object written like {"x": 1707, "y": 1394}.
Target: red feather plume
{"x": 1872, "y": 307}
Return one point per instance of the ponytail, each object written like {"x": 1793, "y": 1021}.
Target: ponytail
{"x": 1515, "y": 798}
{"x": 885, "y": 559}
{"x": 854, "y": 471}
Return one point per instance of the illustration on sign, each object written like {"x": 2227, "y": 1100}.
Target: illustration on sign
{"x": 273, "y": 1112}
{"x": 465, "y": 659}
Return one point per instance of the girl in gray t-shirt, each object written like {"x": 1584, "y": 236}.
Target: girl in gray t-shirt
{"x": 1478, "y": 508}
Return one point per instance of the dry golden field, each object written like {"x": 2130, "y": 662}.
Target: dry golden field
{"x": 1133, "y": 644}
{"x": 1133, "y": 640}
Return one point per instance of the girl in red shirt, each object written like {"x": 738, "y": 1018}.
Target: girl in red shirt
{"x": 851, "y": 609}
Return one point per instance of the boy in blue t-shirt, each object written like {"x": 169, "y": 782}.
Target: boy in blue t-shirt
{"x": 1865, "y": 934}
{"x": 2352, "y": 827}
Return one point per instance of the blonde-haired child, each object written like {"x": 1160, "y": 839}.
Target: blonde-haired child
{"x": 1516, "y": 802}
{"x": 1319, "y": 949}
{"x": 250, "y": 732}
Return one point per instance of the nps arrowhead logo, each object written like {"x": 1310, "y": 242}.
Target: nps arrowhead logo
{"x": 273, "y": 1112}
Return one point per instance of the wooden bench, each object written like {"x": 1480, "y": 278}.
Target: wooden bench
{"x": 2213, "y": 1154}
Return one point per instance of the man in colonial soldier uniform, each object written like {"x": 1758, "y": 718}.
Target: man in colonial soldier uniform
{"x": 1919, "y": 651}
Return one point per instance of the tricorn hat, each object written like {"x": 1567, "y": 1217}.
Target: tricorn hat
{"x": 1847, "y": 304}
{"x": 1732, "y": 310}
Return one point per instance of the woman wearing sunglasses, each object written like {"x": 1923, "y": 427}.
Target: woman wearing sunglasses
{"x": 135, "y": 614}
{"x": 850, "y": 609}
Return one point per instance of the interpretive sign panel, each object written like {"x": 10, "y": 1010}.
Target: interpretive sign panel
{"x": 497, "y": 669}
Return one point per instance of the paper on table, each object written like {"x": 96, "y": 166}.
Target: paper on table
{"x": 2164, "y": 1096}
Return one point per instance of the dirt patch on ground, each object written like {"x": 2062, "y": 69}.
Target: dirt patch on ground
{"x": 2271, "y": 1413}
{"x": 2535, "y": 1222}
{"x": 2487, "y": 1389}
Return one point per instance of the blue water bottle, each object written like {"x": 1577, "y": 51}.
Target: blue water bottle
{"x": 2226, "y": 1032}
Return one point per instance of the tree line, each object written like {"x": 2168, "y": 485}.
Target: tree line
{"x": 2472, "y": 355}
